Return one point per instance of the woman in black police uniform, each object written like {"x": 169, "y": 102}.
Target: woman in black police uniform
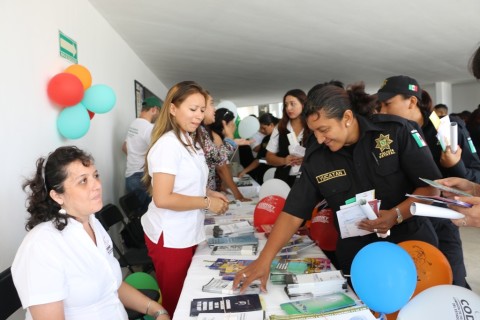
{"x": 402, "y": 96}
{"x": 349, "y": 154}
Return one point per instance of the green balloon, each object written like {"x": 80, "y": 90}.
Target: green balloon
{"x": 142, "y": 280}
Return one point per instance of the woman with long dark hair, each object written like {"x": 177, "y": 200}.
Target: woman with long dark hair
{"x": 291, "y": 128}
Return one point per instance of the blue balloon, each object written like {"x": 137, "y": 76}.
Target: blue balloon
{"x": 384, "y": 276}
{"x": 99, "y": 98}
{"x": 73, "y": 122}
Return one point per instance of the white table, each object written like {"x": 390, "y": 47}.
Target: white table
{"x": 199, "y": 274}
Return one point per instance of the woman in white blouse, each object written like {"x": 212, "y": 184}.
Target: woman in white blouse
{"x": 176, "y": 173}
{"x": 65, "y": 268}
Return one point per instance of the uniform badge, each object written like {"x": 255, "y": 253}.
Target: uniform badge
{"x": 383, "y": 143}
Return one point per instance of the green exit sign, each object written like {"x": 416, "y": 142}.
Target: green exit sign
{"x": 68, "y": 47}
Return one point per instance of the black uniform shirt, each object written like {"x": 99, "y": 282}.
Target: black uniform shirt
{"x": 389, "y": 157}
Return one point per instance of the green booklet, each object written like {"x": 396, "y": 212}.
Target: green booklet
{"x": 318, "y": 304}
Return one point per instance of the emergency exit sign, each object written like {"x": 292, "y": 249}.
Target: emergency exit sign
{"x": 68, "y": 47}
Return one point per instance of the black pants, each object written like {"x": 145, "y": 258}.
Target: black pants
{"x": 415, "y": 228}
{"x": 450, "y": 244}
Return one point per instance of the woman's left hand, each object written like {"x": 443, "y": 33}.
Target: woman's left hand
{"x": 448, "y": 159}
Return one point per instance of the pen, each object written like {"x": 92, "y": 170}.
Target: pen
{"x": 374, "y": 157}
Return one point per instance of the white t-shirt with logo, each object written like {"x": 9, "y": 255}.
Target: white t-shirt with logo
{"x": 181, "y": 229}
{"x": 52, "y": 265}
{"x": 138, "y": 141}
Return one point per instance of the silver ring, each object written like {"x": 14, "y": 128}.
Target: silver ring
{"x": 375, "y": 230}
{"x": 244, "y": 275}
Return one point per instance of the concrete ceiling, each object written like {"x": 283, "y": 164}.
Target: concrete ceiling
{"x": 252, "y": 51}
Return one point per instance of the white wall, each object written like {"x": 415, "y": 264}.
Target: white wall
{"x": 28, "y": 59}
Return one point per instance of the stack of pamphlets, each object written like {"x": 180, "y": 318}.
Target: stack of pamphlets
{"x": 235, "y": 250}
{"x": 315, "y": 284}
{"x": 280, "y": 267}
{"x": 224, "y": 241}
{"x": 236, "y": 229}
{"x": 318, "y": 304}
{"x": 229, "y": 304}
{"x": 216, "y": 285}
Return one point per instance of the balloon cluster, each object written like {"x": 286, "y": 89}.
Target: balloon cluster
{"x": 72, "y": 90}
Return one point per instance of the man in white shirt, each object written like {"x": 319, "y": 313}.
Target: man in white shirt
{"x": 135, "y": 147}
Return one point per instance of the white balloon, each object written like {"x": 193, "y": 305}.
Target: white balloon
{"x": 443, "y": 302}
{"x": 248, "y": 127}
{"x": 269, "y": 174}
{"x": 230, "y": 106}
{"x": 274, "y": 187}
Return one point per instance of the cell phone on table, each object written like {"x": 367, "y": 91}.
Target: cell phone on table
{"x": 445, "y": 188}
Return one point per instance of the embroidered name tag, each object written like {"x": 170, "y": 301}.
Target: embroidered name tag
{"x": 330, "y": 175}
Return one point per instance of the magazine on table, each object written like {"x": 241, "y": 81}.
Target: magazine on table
{"x": 280, "y": 267}
{"x": 229, "y": 304}
{"x": 319, "y": 304}
{"x": 349, "y": 313}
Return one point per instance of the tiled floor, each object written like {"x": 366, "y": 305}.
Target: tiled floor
{"x": 471, "y": 252}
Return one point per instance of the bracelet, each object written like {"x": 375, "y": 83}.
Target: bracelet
{"x": 159, "y": 313}
{"x": 207, "y": 202}
{"x": 230, "y": 142}
{"x": 148, "y": 306}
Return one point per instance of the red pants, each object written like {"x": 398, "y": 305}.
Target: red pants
{"x": 171, "y": 266}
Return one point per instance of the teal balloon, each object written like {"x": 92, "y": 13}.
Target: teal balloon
{"x": 383, "y": 276}
{"x": 73, "y": 122}
{"x": 99, "y": 98}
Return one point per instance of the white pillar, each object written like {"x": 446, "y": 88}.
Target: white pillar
{"x": 443, "y": 94}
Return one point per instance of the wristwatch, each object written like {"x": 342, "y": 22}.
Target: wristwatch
{"x": 399, "y": 216}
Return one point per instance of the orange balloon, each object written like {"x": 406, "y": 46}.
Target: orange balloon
{"x": 432, "y": 266}
{"x": 82, "y": 73}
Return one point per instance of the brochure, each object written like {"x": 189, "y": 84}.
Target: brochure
{"x": 239, "y": 303}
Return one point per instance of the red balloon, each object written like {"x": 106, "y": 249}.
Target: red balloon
{"x": 323, "y": 230}
{"x": 65, "y": 89}
{"x": 267, "y": 211}
{"x": 91, "y": 114}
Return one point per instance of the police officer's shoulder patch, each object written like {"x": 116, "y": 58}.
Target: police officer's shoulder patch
{"x": 418, "y": 138}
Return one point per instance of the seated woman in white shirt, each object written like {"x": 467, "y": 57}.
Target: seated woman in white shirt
{"x": 65, "y": 268}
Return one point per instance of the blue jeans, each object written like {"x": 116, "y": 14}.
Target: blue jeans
{"x": 134, "y": 184}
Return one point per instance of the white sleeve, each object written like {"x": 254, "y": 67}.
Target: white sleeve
{"x": 272, "y": 145}
{"x": 165, "y": 156}
{"x": 38, "y": 271}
